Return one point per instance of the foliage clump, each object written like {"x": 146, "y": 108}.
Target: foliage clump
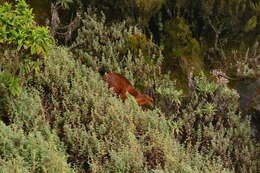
{"x": 18, "y": 29}
{"x": 33, "y": 152}
{"x": 120, "y": 48}
{"x": 66, "y": 119}
{"x": 182, "y": 50}
{"x": 9, "y": 87}
{"x": 22, "y": 44}
{"x": 210, "y": 108}
{"x": 103, "y": 134}
{"x": 214, "y": 126}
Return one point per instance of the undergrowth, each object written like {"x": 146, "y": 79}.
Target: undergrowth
{"x": 64, "y": 118}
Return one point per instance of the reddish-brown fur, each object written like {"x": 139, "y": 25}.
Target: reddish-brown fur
{"x": 121, "y": 85}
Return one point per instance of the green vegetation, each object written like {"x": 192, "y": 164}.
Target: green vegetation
{"x": 58, "y": 115}
{"x": 18, "y": 28}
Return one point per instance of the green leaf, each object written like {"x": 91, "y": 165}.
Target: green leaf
{"x": 251, "y": 24}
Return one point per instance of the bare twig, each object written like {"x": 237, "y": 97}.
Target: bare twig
{"x": 55, "y": 23}
{"x": 217, "y": 33}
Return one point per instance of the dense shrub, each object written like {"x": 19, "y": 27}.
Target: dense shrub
{"x": 182, "y": 50}
{"x": 103, "y": 134}
{"x": 18, "y": 28}
{"x": 22, "y": 44}
{"x": 215, "y": 127}
{"x": 220, "y": 26}
{"x": 120, "y": 48}
{"x": 9, "y": 85}
{"x": 66, "y": 115}
{"x": 9, "y": 88}
{"x": 202, "y": 120}
{"x": 30, "y": 153}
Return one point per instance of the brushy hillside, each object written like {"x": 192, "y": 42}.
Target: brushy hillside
{"x": 58, "y": 115}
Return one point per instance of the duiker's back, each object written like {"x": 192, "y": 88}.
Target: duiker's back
{"x": 121, "y": 85}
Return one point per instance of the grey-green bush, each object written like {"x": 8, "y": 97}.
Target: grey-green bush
{"x": 33, "y": 152}
{"x": 103, "y": 134}
{"x": 67, "y": 119}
